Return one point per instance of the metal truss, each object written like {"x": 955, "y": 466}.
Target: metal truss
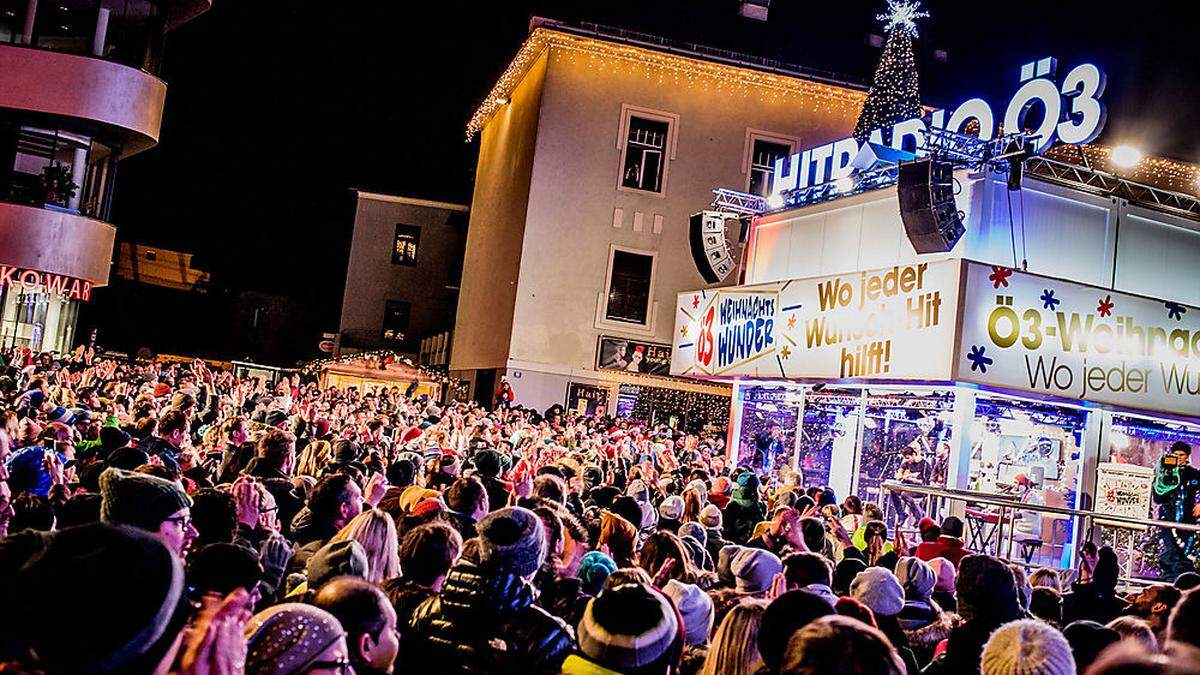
{"x": 1102, "y": 183}
{"x": 741, "y": 203}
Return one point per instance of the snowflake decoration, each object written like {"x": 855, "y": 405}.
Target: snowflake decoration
{"x": 1048, "y": 300}
{"x": 1176, "y": 311}
{"x": 902, "y": 15}
{"x": 695, "y": 301}
{"x": 999, "y": 276}
{"x": 978, "y": 360}
{"x": 786, "y": 352}
{"x": 1105, "y": 307}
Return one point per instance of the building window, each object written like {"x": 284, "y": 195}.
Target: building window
{"x": 395, "y": 322}
{"x": 763, "y": 154}
{"x": 629, "y": 280}
{"x": 647, "y": 143}
{"x": 404, "y": 247}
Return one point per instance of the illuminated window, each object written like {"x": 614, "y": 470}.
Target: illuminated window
{"x": 763, "y": 154}
{"x": 404, "y": 247}
{"x": 629, "y": 279}
{"x": 647, "y": 143}
{"x": 395, "y": 321}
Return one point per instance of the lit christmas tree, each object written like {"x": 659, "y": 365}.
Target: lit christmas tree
{"x": 894, "y": 95}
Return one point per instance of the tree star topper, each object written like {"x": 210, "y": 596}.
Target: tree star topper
{"x": 902, "y": 14}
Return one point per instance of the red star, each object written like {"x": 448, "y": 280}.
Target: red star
{"x": 695, "y": 301}
{"x": 999, "y": 276}
{"x": 1106, "y": 306}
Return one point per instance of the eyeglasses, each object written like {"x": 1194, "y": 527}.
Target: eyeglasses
{"x": 184, "y": 522}
{"x": 341, "y": 666}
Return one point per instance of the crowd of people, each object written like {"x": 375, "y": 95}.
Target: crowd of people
{"x": 167, "y": 518}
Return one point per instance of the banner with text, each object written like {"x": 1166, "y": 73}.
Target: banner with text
{"x": 1048, "y": 336}
{"x": 895, "y": 323}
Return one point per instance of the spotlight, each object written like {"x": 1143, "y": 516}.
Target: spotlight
{"x": 775, "y": 201}
{"x": 500, "y": 100}
{"x": 1125, "y": 156}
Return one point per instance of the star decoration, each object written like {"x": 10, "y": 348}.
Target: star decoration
{"x": 999, "y": 276}
{"x": 786, "y": 352}
{"x": 1176, "y": 311}
{"x": 1048, "y": 300}
{"x": 1105, "y": 307}
{"x": 791, "y": 322}
{"x": 978, "y": 360}
{"x": 902, "y": 15}
{"x": 695, "y": 301}
{"x": 683, "y": 331}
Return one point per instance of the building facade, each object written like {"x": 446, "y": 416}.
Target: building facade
{"x": 403, "y": 276}
{"x": 78, "y": 93}
{"x": 595, "y": 149}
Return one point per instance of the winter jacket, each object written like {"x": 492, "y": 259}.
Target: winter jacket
{"x": 1092, "y": 602}
{"x": 740, "y": 518}
{"x": 924, "y": 626}
{"x": 406, "y": 596}
{"x": 950, "y": 548}
{"x": 485, "y": 621}
{"x": 714, "y": 543}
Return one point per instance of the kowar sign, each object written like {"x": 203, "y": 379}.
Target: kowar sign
{"x": 1043, "y": 335}
{"x": 1071, "y": 111}
{"x": 895, "y": 323}
{"x": 45, "y": 282}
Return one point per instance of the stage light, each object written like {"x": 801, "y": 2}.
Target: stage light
{"x": 1125, "y": 156}
{"x": 775, "y": 201}
{"x": 500, "y": 100}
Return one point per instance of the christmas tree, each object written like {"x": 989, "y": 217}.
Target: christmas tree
{"x": 894, "y": 95}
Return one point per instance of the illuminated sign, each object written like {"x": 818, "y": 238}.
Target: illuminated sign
{"x": 45, "y": 282}
{"x": 1071, "y": 112}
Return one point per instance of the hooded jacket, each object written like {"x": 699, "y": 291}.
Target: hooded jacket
{"x": 485, "y": 621}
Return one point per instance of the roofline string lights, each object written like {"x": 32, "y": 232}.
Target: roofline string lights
{"x": 686, "y": 70}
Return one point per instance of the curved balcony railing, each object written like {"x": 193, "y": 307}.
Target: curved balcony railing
{"x": 128, "y": 32}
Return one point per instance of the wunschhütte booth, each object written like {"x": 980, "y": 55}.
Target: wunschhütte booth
{"x": 1051, "y": 355}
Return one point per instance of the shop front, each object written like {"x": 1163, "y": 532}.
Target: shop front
{"x": 38, "y": 309}
{"x": 962, "y": 375}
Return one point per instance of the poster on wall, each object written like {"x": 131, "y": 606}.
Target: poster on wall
{"x": 587, "y": 399}
{"x": 1037, "y": 334}
{"x": 1123, "y": 490}
{"x": 895, "y": 323}
{"x": 615, "y": 353}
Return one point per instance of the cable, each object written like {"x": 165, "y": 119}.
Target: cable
{"x": 1024, "y": 250}
{"x": 1012, "y": 235}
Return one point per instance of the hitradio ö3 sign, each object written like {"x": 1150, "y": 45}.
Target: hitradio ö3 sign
{"x": 895, "y": 323}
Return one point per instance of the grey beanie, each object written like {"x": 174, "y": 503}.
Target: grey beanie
{"x": 696, "y": 531}
{"x": 879, "y": 590}
{"x": 754, "y": 569}
{"x": 710, "y": 516}
{"x": 671, "y": 508}
{"x": 916, "y": 577}
{"x": 139, "y": 499}
{"x": 334, "y": 560}
{"x": 512, "y": 538}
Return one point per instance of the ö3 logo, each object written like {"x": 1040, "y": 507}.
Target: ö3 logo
{"x": 736, "y": 328}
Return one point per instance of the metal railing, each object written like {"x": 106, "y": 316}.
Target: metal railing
{"x": 1010, "y": 508}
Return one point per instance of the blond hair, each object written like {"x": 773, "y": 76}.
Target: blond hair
{"x": 734, "y": 649}
{"x": 313, "y": 459}
{"x": 376, "y": 532}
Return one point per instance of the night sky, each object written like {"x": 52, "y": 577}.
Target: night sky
{"x": 277, "y": 108}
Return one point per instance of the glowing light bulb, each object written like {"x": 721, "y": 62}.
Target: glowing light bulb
{"x": 775, "y": 201}
{"x": 1125, "y": 156}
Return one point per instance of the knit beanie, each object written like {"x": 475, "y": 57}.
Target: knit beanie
{"x": 695, "y": 531}
{"x": 695, "y": 607}
{"x": 594, "y": 568}
{"x": 725, "y": 562}
{"x": 630, "y": 626}
{"x": 916, "y": 577}
{"x": 985, "y": 588}
{"x": 334, "y": 560}
{"x": 747, "y": 488}
{"x": 512, "y": 538}
{"x": 710, "y": 516}
{"x": 946, "y": 574}
{"x": 127, "y": 458}
{"x": 112, "y": 438}
{"x": 345, "y": 451}
{"x": 487, "y": 463}
{"x": 754, "y": 570}
{"x": 124, "y": 592}
{"x": 878, "y": 589}
{"x": 288, "y": 638}
{"x": 844, "y": 574}
{"x": 139, "y": 499}
{"x": 783, "y": 617}
{"x": 1027, "y": 647}
{"x": 671, "y": 508}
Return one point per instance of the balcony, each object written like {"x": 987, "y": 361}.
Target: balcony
{"x": 56, "y": 241}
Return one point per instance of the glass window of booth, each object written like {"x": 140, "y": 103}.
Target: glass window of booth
{"x": 767, "y": 436}
{"x": 830, "y": 429}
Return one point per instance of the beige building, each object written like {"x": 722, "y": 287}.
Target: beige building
{"x": 595, "y": 149}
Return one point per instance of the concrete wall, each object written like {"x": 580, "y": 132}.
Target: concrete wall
{"x": 372, "y": 279}
{"x": 484, "y": 325}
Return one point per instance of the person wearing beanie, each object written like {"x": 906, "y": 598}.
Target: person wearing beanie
{"x": 696, "y": 609}
{"x": 488, "y": 467}
{"x": 335, "y": 559}
{"x": 694, "y": 536}
{"x": 924, "y": 623}
{"x": 293, "y": 638}
{"x": 745, "y": 510}
{"x": 154, "y": 504}
{"x": 987, "y": 599}
{"x": 710, "y": 518}
{"x": 1027, "y": 647}
{"x": 594, "y": 569}
{"x": 631, "y": 629}
{"x": 754, "y": 570}
{"x": 619, "y": 536}
{"x": 670, "y": 511}
{"x": 96, "y": 598}
{"x": 844, "y": 573}
{"x": 943, "y": 589}
{"x": 785, "y": 615}
{"x": 127, "y": 458}
{"x": 880, "y": 591}
{"x": 722, "y": 489}
{"x": 841, "y": 644}
{"x": 485, "y": 619}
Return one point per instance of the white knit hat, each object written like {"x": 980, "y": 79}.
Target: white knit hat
{"x": 1027, "y": 647}
{"x": 710, "y": 516}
